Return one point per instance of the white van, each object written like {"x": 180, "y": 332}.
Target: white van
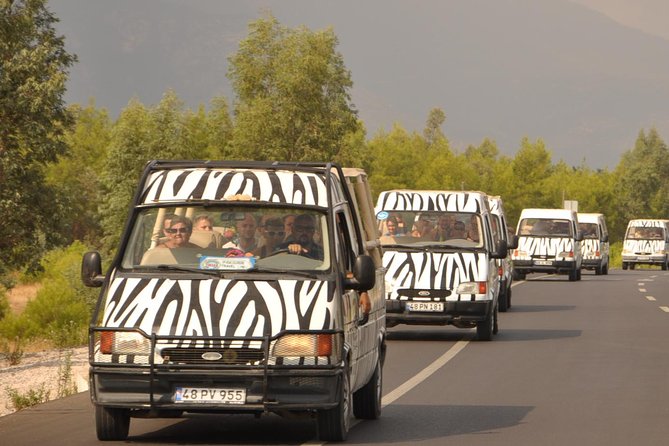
{"x": 501, "y": 231}
{"x": 548, "y": 241}
{"x": 646, "y": 243}
{"x": 268, "y": 322}
{"x": 595, "y": 245}
{"x": 440, "y": 259}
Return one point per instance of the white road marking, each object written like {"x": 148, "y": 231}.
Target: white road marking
{"x": 418, "y": 378}
{"x": 665, "y": 309}
{"x": 421, "y": 376}
{"x": 642, "y": 290}
{"x": 641, "y": 284}
{"x": 650, "y": 298}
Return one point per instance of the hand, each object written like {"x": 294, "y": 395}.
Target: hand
{"x": 297, "y": 249}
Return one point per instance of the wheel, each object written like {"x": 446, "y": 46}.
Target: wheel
{"x": 631, "y": 265}
{"x": 112, "y": 424}
{"x": 664, "y": 266}
{"x": 573, "y": 276}
{"x": 508, "y": 297}
{"x": 367, "y": 401}
{"x": 333, "y": 424}
{"x": 606, "y": 268}
{"x": 518, "y": 276}
{"x": 599, "y": 270}
{"x": 578, "y": 274}
{"x": 495, "y": 319}
{"x": 624, "y": 265}
{"x": 484, "y": 329}
{"x": 504, "y": 300}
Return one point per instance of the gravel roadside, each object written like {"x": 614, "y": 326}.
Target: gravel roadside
{"x": 41, "y": 368}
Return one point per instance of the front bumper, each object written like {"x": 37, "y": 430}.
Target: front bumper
{"x": 645, "y": 259}
{"x": 455, "y": 313}
{"x": 266, "y": 391}
{"x": 544, "y": 265}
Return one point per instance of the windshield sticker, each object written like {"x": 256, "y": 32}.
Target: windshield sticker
{"x": 383, "y": 215}
{"x": 227, "y": 263}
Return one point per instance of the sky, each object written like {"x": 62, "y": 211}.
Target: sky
{"x": 585, "y": 76}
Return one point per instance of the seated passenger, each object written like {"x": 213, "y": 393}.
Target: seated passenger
{"x": 272, "y": 233}
{"x": 245, "y": 239}
{"x": 459, "y": 230}
{"x": 178, "y": 233}
{"x": 302, "y": 242}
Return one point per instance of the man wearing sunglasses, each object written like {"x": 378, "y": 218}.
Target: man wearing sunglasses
{"x": 178, "y": 233}
{"x": 273, "y": 233}
{"x": 302, "y": 242}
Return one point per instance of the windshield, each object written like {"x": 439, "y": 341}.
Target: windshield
{"x": 589, "y": 230}
{"x": 645, "y": 233}
{"x": 229, "y": 238}
{"x": 545, "y": 227}
{"x": 433, "y": 228}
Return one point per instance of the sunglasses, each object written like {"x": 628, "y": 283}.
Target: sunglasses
{"x": 277, "y": 233}
{"x": 177, "y": 230}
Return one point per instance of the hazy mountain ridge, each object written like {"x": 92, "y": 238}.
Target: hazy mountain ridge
{"x": 502, "y": 69}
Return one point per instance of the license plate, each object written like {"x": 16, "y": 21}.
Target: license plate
{"x": 543, "y": 262}
{"x": 425, "y": 306}
{"x": 207, "y": 395}
{"x": 643, "y": 258}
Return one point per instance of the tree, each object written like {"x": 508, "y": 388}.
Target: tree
{"x": 33, "y": 120}
{"x": 293, "y": 95}
{"x": 435, "y": 120}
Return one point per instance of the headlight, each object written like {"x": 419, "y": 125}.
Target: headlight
{"x": 304, "y": 345}
{"x": 472, "y": 288}
{"x": 124, "y": 343}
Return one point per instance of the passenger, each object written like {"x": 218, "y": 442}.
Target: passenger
{"x": 391, "y": 227}
{"x": 245, "y": 239}
{"x": 203, "y": 222}
{"x": 459, "y": 230}
{"x": 444, "y": 227}
{"x": 288, "y": 222}
{"x": 272, "y": 234}
{"x": 178, "y": 233}
{"x": 166, "y": 222}
{"x": 423, "y": 228}
{"x": 302, "y": 242}
{"x": 473, "y": 231}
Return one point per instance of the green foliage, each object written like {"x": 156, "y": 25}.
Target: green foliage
{"x": 66, "y": 384}
{"x": 62, "y": 308}
{"x": 4, "y": 303}
{"x": 33, "y": 119}
{"x": 293, "y": 95}
{"x": 19, "y": 401}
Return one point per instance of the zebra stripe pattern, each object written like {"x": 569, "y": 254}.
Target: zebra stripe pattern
{"x": 429, "y": 201}
{"x": 429, "y": 271}
{"x": 646, "y": 247}
{"x": 590, "y": 248}
{"x": 231, "y": 308}
{"x": 287, "y": 187}
{"x": 544, "y": 246}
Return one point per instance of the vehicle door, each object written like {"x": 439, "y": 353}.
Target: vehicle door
{"x": 346, "y": 251}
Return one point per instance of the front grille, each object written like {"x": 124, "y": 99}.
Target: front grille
{"x": 225, "y": 356}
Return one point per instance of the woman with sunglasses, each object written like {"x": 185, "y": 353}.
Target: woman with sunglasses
{"x": 178, "y": 233}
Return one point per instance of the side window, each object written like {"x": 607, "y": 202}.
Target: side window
{"x": 345, "y": 249}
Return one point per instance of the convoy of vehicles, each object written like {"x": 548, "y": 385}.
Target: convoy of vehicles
{"x": 441, "y": 268}
{"x": 298, "y": 329}
{"x": 279, "y": 302}
{"x": 646, "y": 243}
{"x": 595, "y": 245}
{"x": 549, "y": 241}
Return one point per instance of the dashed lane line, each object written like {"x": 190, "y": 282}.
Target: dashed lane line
{"x": 651, "y": 298}
{"x": 665, "y": 309}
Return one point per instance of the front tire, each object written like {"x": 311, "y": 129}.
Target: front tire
{"x": 112, "y": 424}
{"x": 367, "y": 400}
{"x": 504, "y": 300}
{"x": 333, "y": 424}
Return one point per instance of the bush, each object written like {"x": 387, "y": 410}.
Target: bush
{"x": 31, "y": 398}
{"x": 4, "y": 302}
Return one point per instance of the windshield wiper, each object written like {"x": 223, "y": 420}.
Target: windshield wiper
{"x": 310, "y": 275}
{"x": 206, "y": 272}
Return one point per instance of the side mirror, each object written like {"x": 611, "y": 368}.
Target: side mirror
{"x": 364, "y": 274}
{"x": 578, "y": 236}
{"x": 501, "y": 251}
{"x": 513, "y": 242}
{"x": 605, "y": 238}
{"x": 91, "y": 269}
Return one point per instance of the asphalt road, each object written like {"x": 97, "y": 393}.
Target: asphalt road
{"x": 574, "y": 363}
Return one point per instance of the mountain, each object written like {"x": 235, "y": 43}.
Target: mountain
{"x": 501, "y": 69}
